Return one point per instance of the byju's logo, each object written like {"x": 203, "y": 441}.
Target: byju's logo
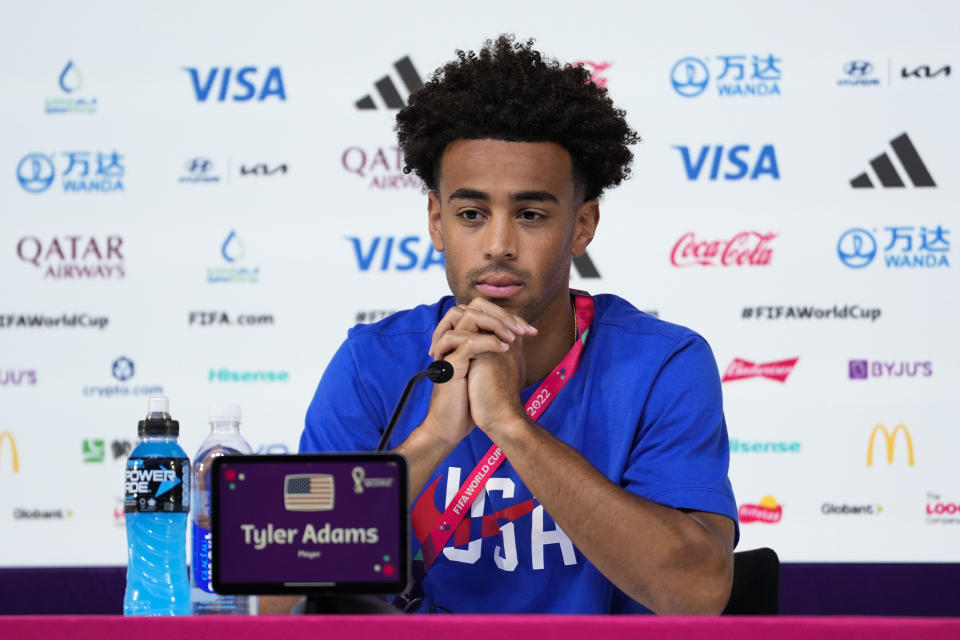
{"x": 887, "y": 173}
{"x": 863, "y": 369}
{"x": 70, "y": 82}
{"x": 199, "y": 170}
{"x": 858, "y": 73}
{"x": 36, "y": 172}
{"x": 890, "y": 439}
{"x": 122, "y": 369}
{"x": 387, "y": 90}
{"x": 382, "y": 167}
{"x": 738, "y": 162}
{"x": 767, "y": 512}
{"x": 74, "y": 257}
{"x": 248, "y": 83}
{"x": 742, "y": 369}
{"x": 747, "y": 248}
{"x": 232, "y": 251}
{"x": 18, "y": 378}
{"x": 412, "y": 253}
{"x": 7, "y": 437}
{"x": 740, "y": 75}
{"x": 926, "y": 248}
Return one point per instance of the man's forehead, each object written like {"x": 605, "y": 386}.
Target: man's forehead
{"x": 504, "y": 168}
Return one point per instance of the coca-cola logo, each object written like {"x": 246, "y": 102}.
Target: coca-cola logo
{"x": 74, "y": 257}
{"x": 740, "y": 369}
{"x": 747, "y": 248}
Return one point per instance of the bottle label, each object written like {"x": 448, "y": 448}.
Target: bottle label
{"x": 157, "y": 485}
{"x": 202, "y": 566}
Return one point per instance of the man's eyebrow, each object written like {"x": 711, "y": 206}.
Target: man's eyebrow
{"x": 520, "y": 196}
{"x": 469, "y": 194}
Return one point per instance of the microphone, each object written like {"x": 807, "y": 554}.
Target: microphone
{"x": 439, "y": 371}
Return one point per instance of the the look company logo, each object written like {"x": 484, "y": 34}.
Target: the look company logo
{"x": 885, "y": 171}
{"x": 70, "y": 82}
{"x": 18, "y": 377}
{"x": 232, "y": 250}
{"x": 940, "y": 511}
{"x": 740, "y": 75}
{"x": 742, "y": 369}
{"x": 74, "y": 257}
{"x": 596, "y": 69}
{"x": 248, "y": 83}
{"x": 94, "y": 450}
{"x": 858, "y": 247}
{"x": 387, "y": 91}
{"x": 863, "y": 369}
{"x": 122, "y": 369}
{"x": 737, "y": 163}
{"x": 798, "y": 312}
{"x": 746, "y": 248}
{"x": 37, "y": 171}
{"x": 7, "y": 440}
{"x": 767, "y": 512}
{"x": 890, "y": 440}
{"x": 380, "y": 167}
{"x": 199, "y": 171}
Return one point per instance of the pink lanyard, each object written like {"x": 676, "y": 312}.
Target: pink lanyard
{"x": 536, "y": 405}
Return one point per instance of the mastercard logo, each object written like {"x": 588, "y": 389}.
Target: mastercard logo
{"x": 767, "y": 511}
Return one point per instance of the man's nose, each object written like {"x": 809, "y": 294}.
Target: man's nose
{"x": 500, "y": 238}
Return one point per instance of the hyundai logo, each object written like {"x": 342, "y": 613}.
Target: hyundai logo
{"x": 199, "y": 165}
{"x": 858, "y": 68}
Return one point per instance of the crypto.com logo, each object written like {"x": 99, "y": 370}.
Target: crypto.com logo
{"x": 890, "y": 440}
{"x": 15, "y": 458}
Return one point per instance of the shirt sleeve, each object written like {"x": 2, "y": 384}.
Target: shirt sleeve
{"x": 342, "y": 416}
{"x": 681, "y": 454}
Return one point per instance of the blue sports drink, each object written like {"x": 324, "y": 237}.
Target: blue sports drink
{"x": 156, "y": 506}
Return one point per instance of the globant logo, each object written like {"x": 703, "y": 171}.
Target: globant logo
{"x": 737, "y": 164}
{"x": 42, "y": 514}
{"x": 199, "y": 171}
{"x": 37, "y": 171}
{"x": 18, "y": 377}
{"x": 233, "y": 251}
{"x": 381, "y": 168}
{"x": 767, "y": 512}
{"x": 122, "y": 369}
{"x": 907, "y": 247}
{"x": 412, "y": 253}
{"x": 858, "y": 73}
{"x": 764, "y": 446}
{"x": 232, "y": 375}
{"x": 739, "y": 75}
{"x": 742, "y": 369}
{"x": 745, "y": 249}
{"x": 70, "y": 82}
{"x": 940, "y": 511}
{"x": 244, "y": 85}
{"x": 863, "y": 369}
{"x": 40, "y": 321}
{"x": 832, "y": 509}
{"x": 74, "y": 257}
{"x": 853, "y": 312}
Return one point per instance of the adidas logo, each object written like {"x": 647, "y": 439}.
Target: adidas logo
{"x": 388, "y": 90}
{"x": 887, "y": 173}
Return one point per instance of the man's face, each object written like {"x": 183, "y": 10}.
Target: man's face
{"x": 508, "y": 218}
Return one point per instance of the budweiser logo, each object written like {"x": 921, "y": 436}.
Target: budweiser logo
{"x": 740, "y": 369}
{"x": 745, "y": 248}
{"x": 767, "y": 511}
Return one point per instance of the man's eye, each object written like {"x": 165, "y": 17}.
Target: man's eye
{"x": 531, "y": 215}
{"x": 470, "y": 214}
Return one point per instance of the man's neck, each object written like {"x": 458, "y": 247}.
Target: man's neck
{"x": 544, "y": 351}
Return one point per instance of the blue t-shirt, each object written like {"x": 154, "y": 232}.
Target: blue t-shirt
{"x": 644, "y": 408}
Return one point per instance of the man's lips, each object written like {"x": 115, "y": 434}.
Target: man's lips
{"x": 498, "y": 286}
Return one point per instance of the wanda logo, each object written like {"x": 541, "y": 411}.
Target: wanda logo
{"x": 747, "y": 248}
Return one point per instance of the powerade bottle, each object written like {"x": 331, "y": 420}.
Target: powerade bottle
{"x": 224, "y": 439}
{"x": 156, "y": 505}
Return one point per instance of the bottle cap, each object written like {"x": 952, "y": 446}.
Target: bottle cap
{"x": 158, "y": 421}
{"x": 224, "y": 412}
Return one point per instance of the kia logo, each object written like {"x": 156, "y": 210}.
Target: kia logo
{"x": 858, "y": 68}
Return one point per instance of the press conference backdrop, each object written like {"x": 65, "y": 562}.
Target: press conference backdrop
{"x": 199, "y": 199}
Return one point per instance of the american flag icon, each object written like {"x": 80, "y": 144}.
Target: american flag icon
{"x": 308, "y": 492}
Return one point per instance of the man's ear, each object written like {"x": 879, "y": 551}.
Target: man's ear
{"x": 585, "y": 226}
{"x": 434, "y": 222}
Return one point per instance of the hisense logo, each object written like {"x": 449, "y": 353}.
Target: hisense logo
{"x": 233, "y": 375}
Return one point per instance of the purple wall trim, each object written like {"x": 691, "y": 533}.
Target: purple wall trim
{"x": 806, "y": 589}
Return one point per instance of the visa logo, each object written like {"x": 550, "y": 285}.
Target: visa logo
{"x": 239, "y": 87}
{"x": 399, "y": 254}
{"x": 737, "y": 163}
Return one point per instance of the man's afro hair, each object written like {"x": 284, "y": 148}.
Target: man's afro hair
{"x": 508, "y": 91}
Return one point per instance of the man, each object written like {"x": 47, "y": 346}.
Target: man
{"x": 617, "y": 495}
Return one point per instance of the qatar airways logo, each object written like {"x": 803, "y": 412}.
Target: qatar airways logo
{"x": 741, "y": 369}
{"x": 745, "y": 249}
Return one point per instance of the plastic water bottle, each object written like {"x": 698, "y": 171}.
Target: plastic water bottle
{"x": 224, "y": 439}
{"x": 156, "y": 505}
